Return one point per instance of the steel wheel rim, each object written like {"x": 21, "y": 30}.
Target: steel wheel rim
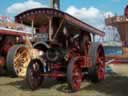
{"x": 100, "y": 63}
{"x": 21, "y": 61}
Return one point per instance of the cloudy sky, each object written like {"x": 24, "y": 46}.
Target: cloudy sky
{"x": 92, "y": 12}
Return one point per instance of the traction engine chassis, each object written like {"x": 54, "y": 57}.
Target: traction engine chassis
{"x": 67, "y": 53}
{"x": 80, "y": 60}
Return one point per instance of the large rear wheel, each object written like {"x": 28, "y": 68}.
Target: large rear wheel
{"x": 74, "y": 74}
{"x": 97, "y": 71}
{"x": 33, "y": 78}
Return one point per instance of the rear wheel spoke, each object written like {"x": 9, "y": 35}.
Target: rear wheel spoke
{"x": 74, "y": 74}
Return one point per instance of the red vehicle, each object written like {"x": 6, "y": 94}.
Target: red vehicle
{"x": 64, "y": 48}
{"x": 11, "y": 33}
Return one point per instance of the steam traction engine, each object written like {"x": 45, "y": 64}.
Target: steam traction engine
{"x": 11, "y": 33}
{"x": 62, "y": 48}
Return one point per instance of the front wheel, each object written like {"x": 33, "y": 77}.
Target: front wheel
{"x": 74, "y": 74}
{"x": 33, "y": 78}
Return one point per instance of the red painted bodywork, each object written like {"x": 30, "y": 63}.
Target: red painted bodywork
{"x": 8, "y": 39}
{"x": 35, "y": 15}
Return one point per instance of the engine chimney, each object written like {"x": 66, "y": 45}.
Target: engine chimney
{"x": 55, "y": 4}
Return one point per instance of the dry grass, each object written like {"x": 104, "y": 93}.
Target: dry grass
{"x": 115, "y": 84}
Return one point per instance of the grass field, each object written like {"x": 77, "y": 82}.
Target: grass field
{"x": 115, "y": 84}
